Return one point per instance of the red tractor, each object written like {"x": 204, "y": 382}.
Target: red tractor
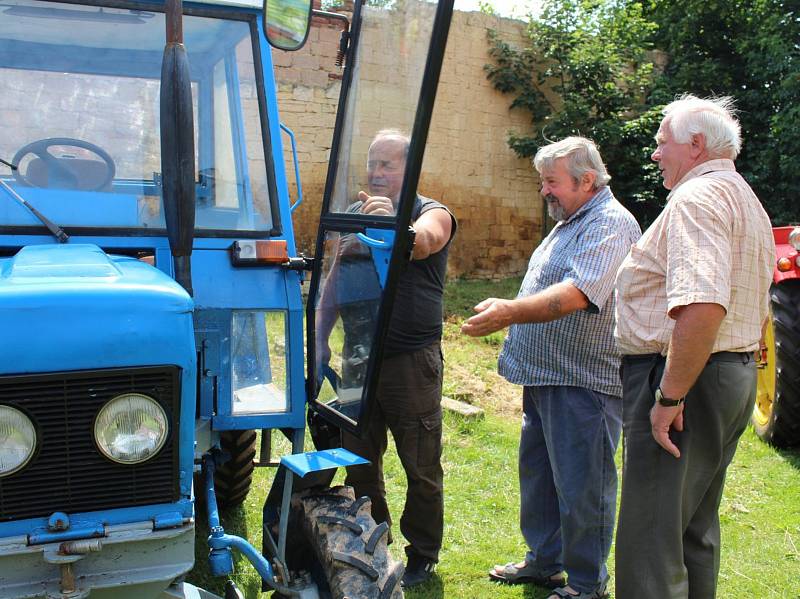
{"x": 776, "y": 416}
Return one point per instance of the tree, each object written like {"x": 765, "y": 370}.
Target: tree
{"x": 751, "y": 51}
{"x": 585, "y": 70}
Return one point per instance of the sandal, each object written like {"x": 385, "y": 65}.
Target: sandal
{"x": 564, "y": 593}
{"x": 512, "y": 574}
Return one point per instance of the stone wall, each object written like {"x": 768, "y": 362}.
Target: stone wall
{"x": 468, "y": 164}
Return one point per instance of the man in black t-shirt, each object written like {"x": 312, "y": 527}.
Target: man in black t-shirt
{"x": 409, "y": 393}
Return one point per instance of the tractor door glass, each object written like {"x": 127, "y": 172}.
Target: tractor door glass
{"x": 80, "y": 114}
{"x": 381, "y": 98}
{"x": 258, "y": 362}
{"x": 366, "y": 213}
{"x": 346, "y": 320}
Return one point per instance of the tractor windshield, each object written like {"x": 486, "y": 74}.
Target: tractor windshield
{"x": 79, "y": 117}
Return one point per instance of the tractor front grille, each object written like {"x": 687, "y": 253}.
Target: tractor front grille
{"x": 68, "y": 473}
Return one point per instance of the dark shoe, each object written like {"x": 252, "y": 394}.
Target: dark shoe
{"x": 418, "y": 570}
{"x": 569, "y": 593}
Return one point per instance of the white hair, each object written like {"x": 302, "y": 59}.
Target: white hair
{"x": 394, "y": 135}
{"x": 582, "y": 157}
{"x": 714, "y": 118}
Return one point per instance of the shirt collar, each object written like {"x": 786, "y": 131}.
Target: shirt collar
{"x": 718, "y": 164}
{"x": 603, "y": 195}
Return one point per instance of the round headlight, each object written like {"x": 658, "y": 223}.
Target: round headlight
{"x": 17, "y": 440}
{"x": 794, "y": 238}
{"x": 131, "y": 428}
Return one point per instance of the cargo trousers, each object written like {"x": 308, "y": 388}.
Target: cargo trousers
{"x": 409, "y": 405}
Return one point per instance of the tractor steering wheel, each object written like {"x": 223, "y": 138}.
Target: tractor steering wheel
{"x": 58, "y": 166}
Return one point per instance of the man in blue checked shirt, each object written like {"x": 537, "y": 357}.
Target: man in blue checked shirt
{"x": 560, "y": 347}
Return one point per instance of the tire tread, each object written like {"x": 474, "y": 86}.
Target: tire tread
{"x": 328, "y": 522}
{"x": 783, "y": 428}
{"x": 233, "y": 479}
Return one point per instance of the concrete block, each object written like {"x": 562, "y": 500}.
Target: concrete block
{"x": 464, "y": 409}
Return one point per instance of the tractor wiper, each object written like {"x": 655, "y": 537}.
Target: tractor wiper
{"x": 57, "y": 231}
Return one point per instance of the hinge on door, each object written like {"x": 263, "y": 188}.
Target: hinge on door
{"x": 301, "y": 262}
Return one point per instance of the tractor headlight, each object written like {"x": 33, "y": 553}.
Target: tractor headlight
{"x": 17, "y": 440}
{"x": 131, "y": 428}
{"x": 794, "y": 238}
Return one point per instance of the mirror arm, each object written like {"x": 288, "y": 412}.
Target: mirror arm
{"x": 344, "y": 40}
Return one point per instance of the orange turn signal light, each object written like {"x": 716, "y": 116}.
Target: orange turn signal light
{"x": 784, "y": 264}
{"x": 259, "y": 252}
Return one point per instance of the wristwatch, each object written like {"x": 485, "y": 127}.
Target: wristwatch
{"x": 666, "y": 401}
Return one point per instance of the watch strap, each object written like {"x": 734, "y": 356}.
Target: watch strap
{"x": 667, "y": 401}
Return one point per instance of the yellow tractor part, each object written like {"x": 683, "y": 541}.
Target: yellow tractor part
{"x": 765, "y": 394}
{"x": 776, "y": 416}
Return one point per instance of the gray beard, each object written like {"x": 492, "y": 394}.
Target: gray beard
{"x": 555, "y": 211}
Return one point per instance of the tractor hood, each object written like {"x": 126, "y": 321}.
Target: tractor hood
{"x": 73, "y": 307}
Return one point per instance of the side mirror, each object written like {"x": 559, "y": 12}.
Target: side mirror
{"x": 287, "y": 22}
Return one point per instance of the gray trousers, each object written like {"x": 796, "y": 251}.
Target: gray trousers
{"x": 668, "y": 536}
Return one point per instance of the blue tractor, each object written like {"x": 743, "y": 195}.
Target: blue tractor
{"x": 152, "y": 318}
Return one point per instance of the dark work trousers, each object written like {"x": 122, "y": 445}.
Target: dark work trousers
{"x": 408, "y": 404}
{"x": 358, "y": 323}
{"x": 668, "y": 538}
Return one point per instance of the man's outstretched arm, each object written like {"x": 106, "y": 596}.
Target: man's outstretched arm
{"x": 555, "y": 302}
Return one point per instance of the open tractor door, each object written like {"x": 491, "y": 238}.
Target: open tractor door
{"x": 359, "y": 256}
{"x": 358, "y": 260}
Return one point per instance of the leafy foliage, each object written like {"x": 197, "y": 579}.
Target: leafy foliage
{"x": 587, "y": 68}
{"x": 751, "y": 51}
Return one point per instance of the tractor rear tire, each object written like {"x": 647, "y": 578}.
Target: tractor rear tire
{"x": 232, "y": 479}
{"x": 342, "y": 546}
{"x": 776, "y": 416}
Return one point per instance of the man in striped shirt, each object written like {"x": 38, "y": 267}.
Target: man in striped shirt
{"x": 560, "y": 348}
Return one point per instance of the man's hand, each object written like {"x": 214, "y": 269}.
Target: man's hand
{"x": 492, "y": 315}
{"x": 375, "y": 205}
{"x": 552, "y": 303}
{"x": 662, "y": 418}
{"x": 691, "y": 342}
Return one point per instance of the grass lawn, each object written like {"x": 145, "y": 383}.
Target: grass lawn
{"x": 760, "y": 511}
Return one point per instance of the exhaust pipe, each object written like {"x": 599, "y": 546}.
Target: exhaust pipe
{"x": 177, "y": 147}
